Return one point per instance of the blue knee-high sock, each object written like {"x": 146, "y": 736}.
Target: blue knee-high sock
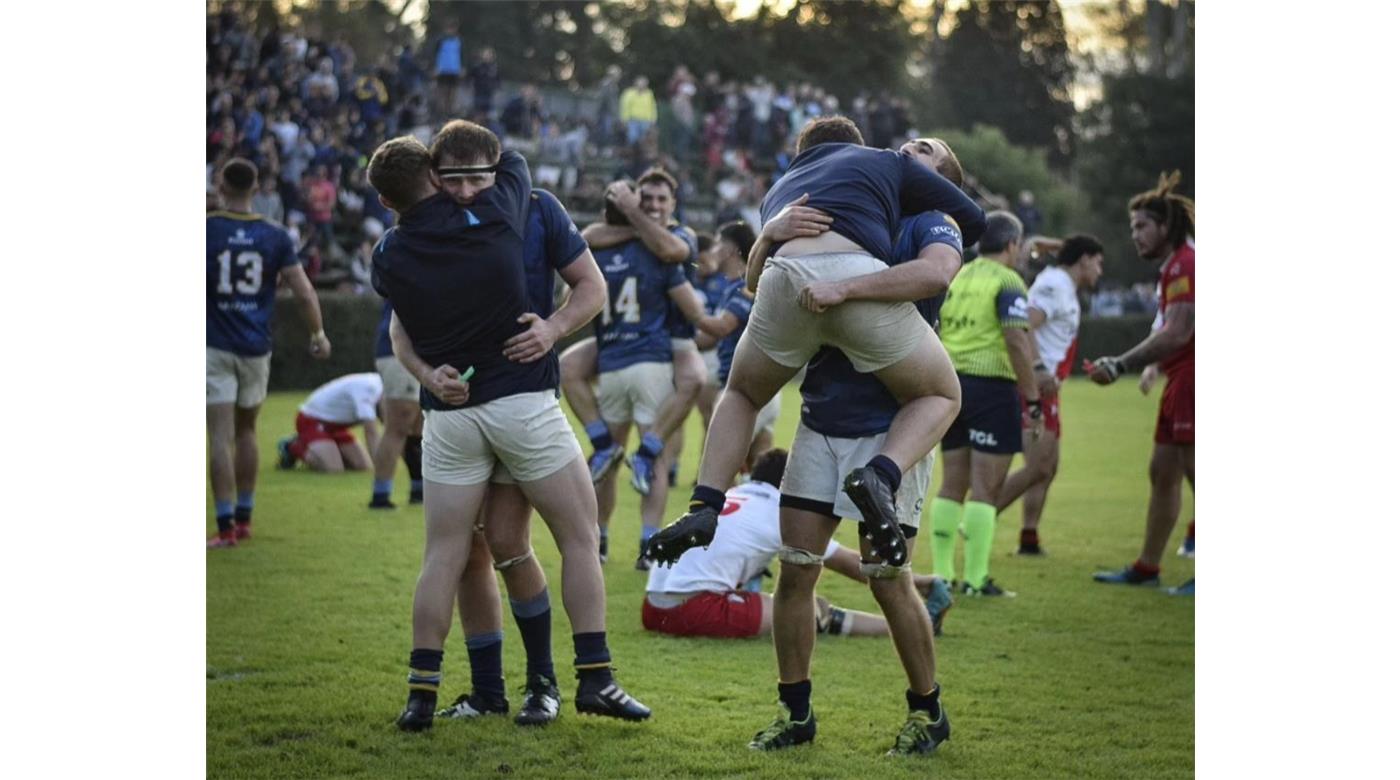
{"x": 383, "y": 488}
{"x": 484, "y": 654}
{"x": 243, "y": 511}
{"x": 532, "y": 616}
{"x": 223, "y": 515}
{"x": 598, "y": 434}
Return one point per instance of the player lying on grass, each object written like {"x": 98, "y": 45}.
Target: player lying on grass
{"x": 456, "y": 279}
{"x": 700, "y": 594}
{"x": 863, "y": 191}
{"x": 246, "y": 256}
{"x": 325, "y": 439}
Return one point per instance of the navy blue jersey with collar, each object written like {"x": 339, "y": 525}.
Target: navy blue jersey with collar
{"x": 552, "y": 243}
{"x": 738, "y": 302}
{"x": 633, "y": 326}
{"x": 714, "y": 287}
{"x": 841, "y": 402}
{"x": 866, "y": 190}
{"x": 456, "y": 278}
{"x": 676, "y": 323}
{"x": 243, "y": 255}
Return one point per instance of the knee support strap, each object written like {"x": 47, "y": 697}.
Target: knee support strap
{"x": 516, "y": 561}
{"x": 798, "y": 556}
{"x": 836, "y": 623}
{"x": 879, "y": 570}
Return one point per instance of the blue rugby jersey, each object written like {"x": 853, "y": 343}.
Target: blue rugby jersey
{"x": 243, "y": 255}
{"x": 456, "y": 278}
{"x": 714, "y": 287}
{"x": 633, "y": 326}
{"x": 552, "y": 243}
{"x": 866, "y": 190}
{"x": 841, "y": 402}
{"x": 738, "y": 302}
{"x": 676, "y": 323}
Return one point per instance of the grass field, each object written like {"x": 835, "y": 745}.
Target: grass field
{"x": 308, "y": 634}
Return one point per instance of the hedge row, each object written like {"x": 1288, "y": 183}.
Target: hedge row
{"x": 351, "y": 323}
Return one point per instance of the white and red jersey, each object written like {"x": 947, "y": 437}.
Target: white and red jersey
{"x": 348, "y": 400}
{"x": 1054, "y": 293}
{"x": 745, "y": 541}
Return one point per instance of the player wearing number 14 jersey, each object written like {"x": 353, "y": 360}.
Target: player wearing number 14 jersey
{"x": 245, "y": 256}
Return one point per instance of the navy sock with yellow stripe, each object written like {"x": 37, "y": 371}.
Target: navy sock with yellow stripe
{"x": 424, "y": 673}
{"x": 592, "y": 660}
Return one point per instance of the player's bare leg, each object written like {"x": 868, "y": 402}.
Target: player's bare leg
{"x": 355, "y": 457}
{"x": 753, "y": 381}
{"x": 705, "y": 404}
{"x": 324, "y": 456}
{"x": 605, "y": 492}
{"x": 1167, "y": 470}
{"x": 688, "y": 377}
{"x": 245, "y": 438}
{"x": 507, "y": 517}
{"x": 400, "y": 419}
{"x": 479, "y": 610}
{"x": 562, "y": 500}
{"x": 832, "y": 619}
{"x": 909, "y": 624}
{"x": 930, "y": 397}
{"x": 805, "y": 537}
{"x": 218, "y": 420}
{"x": 1031, "y": 484}
{"x": 578, "y": 367}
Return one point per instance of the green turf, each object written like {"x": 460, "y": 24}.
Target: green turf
{"x": 308, "y": 637}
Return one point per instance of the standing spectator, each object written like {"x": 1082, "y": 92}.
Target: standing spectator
{"x": 524, "y": 114}
{"x": 682, "y": 90}
{"x": 266, "y": 201}
{"x": 320, "y": 89}
{"x": 485, "y": 80}
{"x": 1027, "y": 212}
{"x": 638, "y": 110}
{"x": 286, "y": 131}
{"x": 320, "y": 198}
{"x": 609, "y": 93}
{"x": 447, "y": 69}
{"x": 882, "y": 123}
{"x": 371, "y": 96}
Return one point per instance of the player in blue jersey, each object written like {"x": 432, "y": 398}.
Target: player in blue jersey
{"x": 714, "y": 284}
{"x": 552, "y": 244}
{"x": 403, "y": 422}
{"x": 637, "y": 356}
{"x": 864, "y": 192}
{"x": 846, "y": 416}
{"x": 245, "y": 257}
{"x": 456, "y": 279}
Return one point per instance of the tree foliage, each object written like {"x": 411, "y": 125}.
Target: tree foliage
{"x": 1008, "y": 65}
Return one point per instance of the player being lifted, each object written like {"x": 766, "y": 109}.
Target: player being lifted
{"x": 846, "y": 417}
{"x": 1163, "y": 223}
{"x": 245, "y": 257}
{"x": 456, "y": 280}
{"x": 864, "y": 191}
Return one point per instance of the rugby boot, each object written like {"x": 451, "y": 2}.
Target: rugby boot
{"x": 873, "y": 497}
{"x": 921, "y": 733}
{"x": 696, "y": 528}
{"x": 786, "y": 732}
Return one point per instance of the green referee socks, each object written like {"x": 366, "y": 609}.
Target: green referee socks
{"x": 981, "y": 522}
{"x": 947, "y": 514}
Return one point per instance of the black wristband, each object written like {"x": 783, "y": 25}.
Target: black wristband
{"x": 1039, "y": 367}
{"x": 1033, "y": 409}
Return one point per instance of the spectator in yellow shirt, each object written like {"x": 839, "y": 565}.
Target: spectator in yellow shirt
{"x": 637, "y": 109}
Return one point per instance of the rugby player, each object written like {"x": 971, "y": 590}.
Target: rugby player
{"x": 403, "y": 422}
{"x": 552, "y": 244}
{"x": 846, "y": 416}
{"x": 636, "y": 355}
{"x": 1163, "y": 223}
{"x": 985, "y": 326}
{"x": 864, "y": 191}
{"x": 456, "y": 280}
{"x": 714, "y": 284}
{"x": 245, "y": 257}
{"x": 324, "y": 440}
{"x": 1054, "y": 318}
{"x": 700, "y": 594}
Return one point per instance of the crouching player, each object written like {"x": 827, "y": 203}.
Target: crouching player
{"x": 699, "y": 595}
{"x": 324, "y": 440}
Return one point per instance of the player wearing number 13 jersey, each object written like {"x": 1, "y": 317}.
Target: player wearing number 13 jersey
{"x": 245, "y": 256}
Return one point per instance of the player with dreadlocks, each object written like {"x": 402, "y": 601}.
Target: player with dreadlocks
{"x": 1164, "y": 225}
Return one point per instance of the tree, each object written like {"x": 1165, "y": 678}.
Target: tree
{"x": 1008, "y": 65}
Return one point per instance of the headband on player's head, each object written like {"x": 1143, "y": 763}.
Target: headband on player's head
{"x": 450, "y": 171}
